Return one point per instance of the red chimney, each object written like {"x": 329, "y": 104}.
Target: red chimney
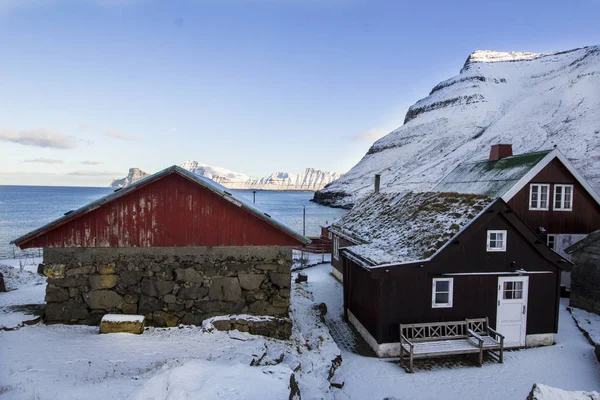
{"x": 499, "y": 151}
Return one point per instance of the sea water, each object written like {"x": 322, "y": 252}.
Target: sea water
{"x": 25, "y": 208}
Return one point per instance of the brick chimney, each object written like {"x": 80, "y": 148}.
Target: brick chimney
{"x": 499, "y": 151}
{"x": 377, "y": 182}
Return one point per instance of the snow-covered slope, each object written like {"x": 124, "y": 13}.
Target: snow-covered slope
{"x": 134, "y": 175}
{"x": 534, "y": 101}
{"x": 309, "y": 179}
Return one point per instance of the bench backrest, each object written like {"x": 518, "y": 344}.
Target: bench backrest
{"x": 442, "y": 330}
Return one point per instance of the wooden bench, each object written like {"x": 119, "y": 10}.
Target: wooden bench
{"x": 471, "y": 336}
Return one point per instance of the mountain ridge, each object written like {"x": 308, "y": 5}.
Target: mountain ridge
{"x": 533, "y": 101}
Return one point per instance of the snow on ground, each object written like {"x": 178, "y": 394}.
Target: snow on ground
{"x": 31, "y": 290}
{"x": 589, "y": 322}
{"x": 544, "y": 392}
{"x": 570, "y": 364}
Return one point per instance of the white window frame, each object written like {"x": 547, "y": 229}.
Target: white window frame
{"x": 548, "y": 197}
{"x": 336, "y": 247}
{"x": 489, "y": 236}
{"x": 553, "y": 236}
{"x": 562, "y": 197}
{"x": 450, "y": 292}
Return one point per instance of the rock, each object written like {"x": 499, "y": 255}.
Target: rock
{"x": 162, "y": 318}
{"x": 2, "y": 285}
{"x": 54, "y": 271}
{"x": 103, "y": 281}
{"x": 40, "y": 269}
{"x": 222, "y": 325}
{"x": 188, "y": 275}
{"x": 281, "y": 279}
{"x": 102, "y": 299}
{"x": 118, "y": 323}
{"x": 69, "y": 311}
{"x": 227, "y": 289}
{"x": 68, "y": 282}
{"x": 192, "y": 293}
{"x": 128, "y": 308}
{"x": 278, "y": 301}
{"x": 169, "y": 298}
{"x": 129, "y": 278}
{"x": 84, "y": 270}
{"x": 265, "y": 308}
{"x": 56, "y": 295}
{"x": 233, "y": 307}
{"x": 209, "y": 306}
{"x": 250, "y": 281}
{"x": 156, "y": 288}
{"x": 284, "y": 293}
{"x": 192, "y": 319}
{"x": 148, "y": 304}
{"x": 108, "y": 269}
{"x": 294, "y": 388}
{"x": 131, "y": 298}
{"x": 301, "y": 277}
{"x": 266, "y": 267}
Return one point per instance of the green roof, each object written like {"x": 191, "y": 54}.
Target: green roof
{"x": 490, "y": 178}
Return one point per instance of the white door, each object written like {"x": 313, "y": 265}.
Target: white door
{"x": 511, "y": 319}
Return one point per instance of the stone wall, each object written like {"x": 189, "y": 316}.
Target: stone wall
{"x": 585, "y": 278}
{"x": 169, "y": 285}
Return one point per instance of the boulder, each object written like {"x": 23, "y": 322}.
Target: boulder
{"x": 192, "y": 293}
{"x": 156, "y": 288}
{"x": 68, "y": 282}
{"x": 103, "y": 299}
{"x": 129, "y": 278}
{"x": 227, "y": 289}
{"x": 301, "y": 277}
{"x": 84, "y": 270}
{"x": 69, "y": 311}
{"x": 2, "y": 285}
{"x": 250, "y": 281}
{"x": 281, "y": 279}
{"x": 188, "y": 275}
{"x": 56, "y": 295}
{"x": 120, "y": 323}
{"x": 103, "y": 281}
{"x": 54, "y": 271}
{"x": 107, "y": 269}
{"x": 148, "y": 304}
{"x": 162, "y": 318}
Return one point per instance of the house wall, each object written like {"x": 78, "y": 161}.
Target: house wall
{"x": 585, "y": 278}
{"x": 169, "y": 285}
{"x": 407, "y": 291}
{"x": 361, "y": 296}
{"x": 338, "y": 264}
{"x": 584, "y": 218}
{"x": 171, "y": 211}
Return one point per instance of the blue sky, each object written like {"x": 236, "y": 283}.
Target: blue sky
{"x": 90, "y": 88}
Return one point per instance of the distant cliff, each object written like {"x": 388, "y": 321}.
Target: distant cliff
{"x": 308, "y": 180}
{"x": 134, "y": 175}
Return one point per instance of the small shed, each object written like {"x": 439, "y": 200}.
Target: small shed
{"x": 437, "y": 257}
{"x": 175, "y": 247}
{"x": 585, "y": 277}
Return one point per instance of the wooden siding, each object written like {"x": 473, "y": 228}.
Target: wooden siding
{"x": 584, "y": 218}
{"x": 171, "y": 211}
{"x": 338, "y": 264}
{"x": 363, "y": 297}
{"x": 406, "y": 291}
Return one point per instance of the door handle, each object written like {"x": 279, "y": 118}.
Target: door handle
{"x": 524, "y": 309}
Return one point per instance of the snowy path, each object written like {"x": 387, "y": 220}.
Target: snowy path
{"x": 570, "y": 364}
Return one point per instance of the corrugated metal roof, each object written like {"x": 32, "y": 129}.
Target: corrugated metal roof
{"x": 490, "y": 178}
{"x": 205, "y": 182}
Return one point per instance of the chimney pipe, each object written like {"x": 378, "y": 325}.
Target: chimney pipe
{"x": 377, "y": 182}
{"x": 499, "y": 151}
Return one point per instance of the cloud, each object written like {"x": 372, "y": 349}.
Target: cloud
{"x": 41, "y": 137}
{"x": 44, "y": 161}
{"x": 371, "y": 134}
{"x": 94, "y": 173}
{"x": 86, "y": 162}
{"x": 121, "y": 136}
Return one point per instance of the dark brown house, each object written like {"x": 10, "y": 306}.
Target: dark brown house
{"x": 585, "y": 277}
{"x": 435, "y": 257}
{"x": 175, "y": 246}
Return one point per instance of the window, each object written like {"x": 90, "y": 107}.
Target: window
{"x": 512, "y": 290}
{"x": 538, "y": 196}
{"x": 336, "y": 248}
{"x": 496, "y": 240}
{"x": 551, "y": 241}
{"x": 442, "y": 293}
{"x": 563, "y": 197}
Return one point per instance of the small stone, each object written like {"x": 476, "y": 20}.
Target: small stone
{"x": 56, "y": 295}
{"x": 162, "y": 318}
{"x": 188, "y": 275}
{"x": 222, "y": 325}
{"x": 278, "y": 301}
{"x": 191, "y": 319}
{"x": 282, "y": 280}
{"x": 192, "y": 293}
{"x": 154, "y": 288}
{"x": 169, "y": 298}
{"x": 227, "y": 289}
{"x": 148, "y": 304}
{"x": 102, "y": 299}
{"x": 2, "y": 285}
{"x": 103, "y": 281}
{"x": 107, "y": 269}
{"x": 85, "y": 270}
{"x": 73, "y": 292}
{"x": 129, "y": 308}
{"x": 250, "y": 281}
{"x": 135, "y": 325}
{"x": 68, "y": 282}
{"x": 301, "y": 277}
{"x": 54, "y": 271}
{"x": 131, "y": 298}
{"x": 129, "y": 278}
{"x": 284, "y": 293}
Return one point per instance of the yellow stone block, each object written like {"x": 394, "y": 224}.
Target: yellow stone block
{"x": 122, "y": 323}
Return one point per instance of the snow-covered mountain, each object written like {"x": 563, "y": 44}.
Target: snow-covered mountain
{"x": 310, "y": 179}
{"x": 134, "y": 175}
{"x": 533, "y": 101}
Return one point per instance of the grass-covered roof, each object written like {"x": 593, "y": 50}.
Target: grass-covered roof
{"x": 400, "y": 228}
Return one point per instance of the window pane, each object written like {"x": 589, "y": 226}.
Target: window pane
{"x": 508, "y": 295}
{"x": 442, "y": 298}
{"x": 518, "y": 285}
{"x": 557, "y": 196}
{"x": 534, "y": 196}
{"x": 508, "y": 286}
{"x": 543, "y": 197}
{"x": 442, "y": 286}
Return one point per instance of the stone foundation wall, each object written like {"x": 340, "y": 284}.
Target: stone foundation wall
{"x": 585, "y": 278}
{"x": 169, "y": 285}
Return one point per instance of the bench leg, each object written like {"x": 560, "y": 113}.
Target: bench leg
{"x": 410, "y": 364}
{"x": 501, "y": 355}
{"x": 480, "y": 357}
